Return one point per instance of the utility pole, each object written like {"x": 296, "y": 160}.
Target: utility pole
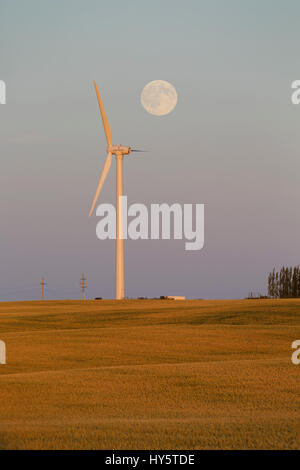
{"x": 43, "y": 284}
{"x": 83, "y": 285}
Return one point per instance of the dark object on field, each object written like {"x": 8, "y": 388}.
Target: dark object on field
{"x": 252, "y": 295}
{"x": 98, "y": 298}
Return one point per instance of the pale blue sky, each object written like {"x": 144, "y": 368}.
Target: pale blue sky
{"x": 232, "y": 142}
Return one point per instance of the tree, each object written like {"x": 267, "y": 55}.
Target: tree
{"x": 285, "y": 283}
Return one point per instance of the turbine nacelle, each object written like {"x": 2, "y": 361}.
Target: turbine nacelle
{"x": 118, "y": 149}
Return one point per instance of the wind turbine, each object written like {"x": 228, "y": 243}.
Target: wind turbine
{"x": 119, "y": 151}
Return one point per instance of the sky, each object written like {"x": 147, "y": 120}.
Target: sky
{"x": 231, "y": 143}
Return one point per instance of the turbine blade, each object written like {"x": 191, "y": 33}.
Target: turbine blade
{"x": 103, "y": 115}
{"x": 101, "y": 180}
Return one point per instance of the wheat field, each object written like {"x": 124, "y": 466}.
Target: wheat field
{"x": 141, "y": 374}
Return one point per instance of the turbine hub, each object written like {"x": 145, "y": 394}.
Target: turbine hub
{"x": 118, "y": 149}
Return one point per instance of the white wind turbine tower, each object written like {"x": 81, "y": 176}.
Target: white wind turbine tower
{"x": 119, "y": 151}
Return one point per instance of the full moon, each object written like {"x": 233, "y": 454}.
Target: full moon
{"x": 159, "y": 97}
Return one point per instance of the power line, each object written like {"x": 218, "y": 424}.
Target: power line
{"x": 43, "y": 284}
{"x": 83, "y": 285}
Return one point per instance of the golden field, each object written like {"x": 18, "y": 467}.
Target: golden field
{"x": 140, "y": 374}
